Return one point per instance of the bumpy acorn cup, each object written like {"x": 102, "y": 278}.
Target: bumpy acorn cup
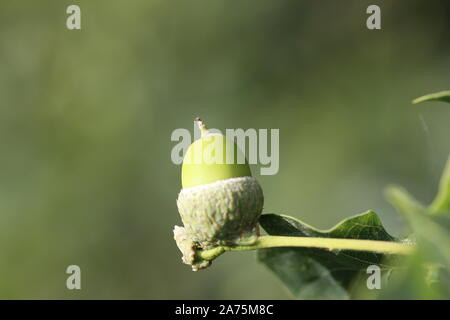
{"x": 220, "y": 203}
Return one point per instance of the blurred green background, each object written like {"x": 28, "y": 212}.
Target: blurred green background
{"x": 86, "y": 118}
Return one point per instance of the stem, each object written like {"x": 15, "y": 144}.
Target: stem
{"x": 264, "y": 242}
{"x": 202, "y": 126}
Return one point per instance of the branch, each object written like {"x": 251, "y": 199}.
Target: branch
{"x": 386, "y": 247}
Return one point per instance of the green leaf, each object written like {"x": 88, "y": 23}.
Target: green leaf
{"x": 441, "y": 203}
{"x": 428, "y": 272}
{"x": 430, "y": 225}
{"x": 438, "y": 96}
{"x": 311, "y": 273}
{"x": 422, "y": 279}
{"x": 432, "y": 232}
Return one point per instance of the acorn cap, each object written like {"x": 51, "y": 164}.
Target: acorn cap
{"x": 188, "y": 249}
{"x": 223, "y": 212}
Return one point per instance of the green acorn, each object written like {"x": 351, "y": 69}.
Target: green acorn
{"x": 220, "y": 202}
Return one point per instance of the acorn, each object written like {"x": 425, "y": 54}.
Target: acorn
{"x": 220, "y": 202}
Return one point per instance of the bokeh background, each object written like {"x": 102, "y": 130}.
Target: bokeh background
{"x": 86, "y": 117}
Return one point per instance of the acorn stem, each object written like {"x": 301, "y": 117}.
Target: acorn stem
{"x": 202, "y": 126}
{"x": 331, "y": 244}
